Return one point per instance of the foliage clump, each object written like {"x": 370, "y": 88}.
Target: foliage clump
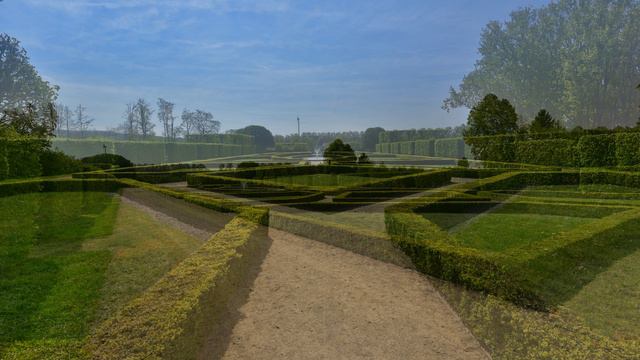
{"x": 340, "y": 153}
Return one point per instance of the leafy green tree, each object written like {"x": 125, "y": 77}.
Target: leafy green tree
{"x": 544, "y": 122}
{"x": 363, "y": 159}
{"x": 20, "y": 83}
{"x": 370, "y": 138}
{"x": 340, "y": 153}
{"x": 262, "y": 137}
{"x": 490, "y": 117}
{"x": 574, "y": 58}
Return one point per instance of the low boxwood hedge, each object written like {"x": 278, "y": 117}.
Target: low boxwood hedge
{"x": 172, "y": 319}
{"x": 505, "y": 274}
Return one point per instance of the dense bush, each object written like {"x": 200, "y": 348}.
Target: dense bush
{"x": 627, "y": 149}
{"x": 597, "y": 150}
{"x": 58, "y": 163}
{"x": 425, "y": 147}
{"x": 111, "y": 159}
{"x": 560, "y": 152}
{"x": 451, "y": 148}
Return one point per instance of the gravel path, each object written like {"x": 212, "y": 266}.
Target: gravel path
{"x": 314, "y": 301}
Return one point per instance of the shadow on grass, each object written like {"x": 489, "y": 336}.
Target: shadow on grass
{"x": 560, "y": 275}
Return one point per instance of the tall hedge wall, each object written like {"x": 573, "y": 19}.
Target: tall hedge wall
{"x": 447, "y": 147}
{"x": 559, "y": 152}
{"x": 141, "y": 152}
{"x": 597, "y": 150}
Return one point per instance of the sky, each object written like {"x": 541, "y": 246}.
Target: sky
{"x": 338, "y": 65}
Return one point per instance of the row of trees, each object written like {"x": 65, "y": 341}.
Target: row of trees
{"x": 577, "y": 59}
{"x": 138, "y": 121}
{"x": 495, "y": 117}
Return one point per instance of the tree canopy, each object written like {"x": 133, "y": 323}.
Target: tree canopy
{"x": 26, "y": 100}
{"x": 20, "y": 83}
{"x": 340, "y": 153}
{"x": 262, "y": 137}
{"x": 544, "y": 122}
{"x": 370, "y": 138}
{"x": 577, "y": 59}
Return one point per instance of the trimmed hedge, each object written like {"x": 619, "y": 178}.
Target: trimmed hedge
{"x": 505, "y": 274}
{"x": 148, "y": 152}
{"x": 292, "y": 147}
{"x": 447, "y": 147}
{"x": 259, "y": 177}
{"x": 627, "y": 149}
{"x": 597, "y": 150}
{"x": 559, "y": 152}
{"x": 16, "y": 187}
{"x": 172, "y": 319}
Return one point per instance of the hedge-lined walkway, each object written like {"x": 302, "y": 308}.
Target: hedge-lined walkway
{"x": 315, "y": 301}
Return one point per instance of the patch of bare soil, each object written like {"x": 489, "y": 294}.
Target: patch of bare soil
{"x": 314, "y": 301}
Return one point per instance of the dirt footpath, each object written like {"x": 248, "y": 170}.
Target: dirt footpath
{"x": 315, "y": 301}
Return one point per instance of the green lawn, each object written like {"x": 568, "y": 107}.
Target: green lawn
{"x": 68, "y": 261}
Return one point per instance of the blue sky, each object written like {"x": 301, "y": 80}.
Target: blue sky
{"x": 339, "y": 65}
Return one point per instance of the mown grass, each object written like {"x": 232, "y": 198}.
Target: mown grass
{"x": 67, "y": 260}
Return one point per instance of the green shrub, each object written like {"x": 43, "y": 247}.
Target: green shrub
{"x": 597, "y": 150}
{"x": 58, "y": 163}
{"x": 464, "y": 163}
{"x": 23, "y": 157}
{"x": 248, "y": 164}
{"x": 559, "y": 152}
{"x": 111, "y": 159}
{"x": 4, "y": 160}
{"x": 627, "y": 149}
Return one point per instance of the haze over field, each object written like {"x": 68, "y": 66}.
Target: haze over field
{"x": 337, "y": 65}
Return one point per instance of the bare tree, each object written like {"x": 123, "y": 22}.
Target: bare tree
{"x": 82, "y": 121}
{"x": 130, "y": 125}
{"x": 166, "y": 118}
{"x": 205, "y": 124}
{"x": 65, "y": 119}
{"x": 188, "y": 122}
{"x": 143, "y": 112}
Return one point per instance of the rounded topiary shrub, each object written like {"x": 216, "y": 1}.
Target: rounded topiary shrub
{"x": 111, "y": 159}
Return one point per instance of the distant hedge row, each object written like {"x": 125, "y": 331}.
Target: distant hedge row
{"x": 448, "y": 147}
{"x": 620, "y": 149}
{"x": 292, "y": 147}
{"x": 141, "y": 152}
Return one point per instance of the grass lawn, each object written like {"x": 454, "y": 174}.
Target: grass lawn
{"x": 67, "y": 261}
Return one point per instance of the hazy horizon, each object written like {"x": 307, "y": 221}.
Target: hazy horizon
{"x": 338, "y": 67}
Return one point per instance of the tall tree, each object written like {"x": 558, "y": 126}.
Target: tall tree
{"x": 20, "y": 83}
{"x": 578, "y": 59}
{"x": 143, "y": 112}
{"x": 166, "y": 118}
{"x": 66, "y": 121}
{"x": 187, "y": 125}
{"x": 262, "y": 137}
{"x": 491, "y": 116}
{"x": 205, "y": 124}
{"x": 82, "y": 121}
{"x": 340, "y": 153}
{"x": 370, "y": 138}
{"x": 130, "y": 125}
{"x": 544, "y": 122}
